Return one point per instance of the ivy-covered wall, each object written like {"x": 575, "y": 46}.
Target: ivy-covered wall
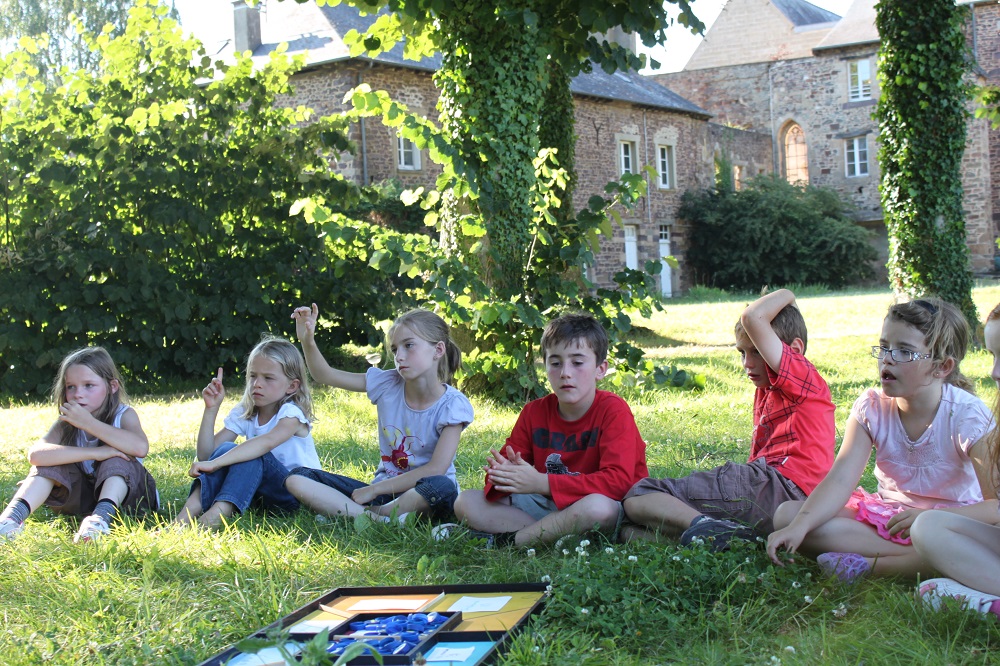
{"x": 598, "y": 123}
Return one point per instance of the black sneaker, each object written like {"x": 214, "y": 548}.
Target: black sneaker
{"x": 716, "y": 532}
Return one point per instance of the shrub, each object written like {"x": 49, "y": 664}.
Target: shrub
{"x": 148, "y": 212}
{"x": 771, "y": 232}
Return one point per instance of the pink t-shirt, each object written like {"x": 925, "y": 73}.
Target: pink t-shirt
{"x": 935, "y": 468}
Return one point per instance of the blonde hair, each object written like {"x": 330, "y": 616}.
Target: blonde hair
{"x": 293, "y": 366}
{"x": 100, "y": 363}
{"x": 945, "y": 330}
{"x": 430, "y": 327}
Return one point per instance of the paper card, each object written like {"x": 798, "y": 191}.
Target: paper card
{"x": 479, "y": 604}
{"x": 442, "y": 653}
{"x": 459, "y": 653}
{"x": 512, "y": 613}
{"x": 382, "y": 604}
{"x": 267, "y": 657}
{"x": 317, "y": 622}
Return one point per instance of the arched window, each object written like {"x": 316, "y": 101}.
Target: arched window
{"x": 796, "y": 155}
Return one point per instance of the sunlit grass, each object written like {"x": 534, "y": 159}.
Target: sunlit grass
{"x": 147, "y": 595}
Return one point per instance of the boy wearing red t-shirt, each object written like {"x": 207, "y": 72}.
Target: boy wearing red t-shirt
{"x": 791, "y": 449}
{"x": 571, "y": 457}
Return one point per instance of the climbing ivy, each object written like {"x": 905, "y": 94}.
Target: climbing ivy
{"x": 922, "y": 123}
{"x": 493, "y": 79}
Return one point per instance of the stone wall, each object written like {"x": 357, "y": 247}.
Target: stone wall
{"x": 600, "y": 124}
{"x": 813, "y": 92}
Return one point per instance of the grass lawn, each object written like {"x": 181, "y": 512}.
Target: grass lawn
{"x": 142, "y": 596}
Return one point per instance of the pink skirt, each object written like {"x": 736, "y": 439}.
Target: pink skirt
{"x": 875, "y": 511}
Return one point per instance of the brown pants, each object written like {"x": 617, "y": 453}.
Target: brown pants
{"x": 76, "y": 492}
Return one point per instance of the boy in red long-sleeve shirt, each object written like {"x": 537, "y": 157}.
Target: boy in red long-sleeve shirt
{"x": 571, "y": 457}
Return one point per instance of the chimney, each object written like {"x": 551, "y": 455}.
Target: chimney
{"x": 246, "y": 26}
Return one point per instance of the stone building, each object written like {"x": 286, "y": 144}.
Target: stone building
{"x": 806, "y": 78}
{"x": 624, "y": 121}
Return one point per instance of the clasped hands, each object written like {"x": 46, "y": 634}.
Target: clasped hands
{"x": 509, "y": 473}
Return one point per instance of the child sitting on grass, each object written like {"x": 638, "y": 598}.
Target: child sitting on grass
{"x": 571, "y": 456}
{"x": 929, "y": 435}
{"x": 791, "y": 448}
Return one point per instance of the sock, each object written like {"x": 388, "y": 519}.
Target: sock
{"x": 504, "y": 538}
{"x": 18, "y": 510}
{"x": 106, "y": 509}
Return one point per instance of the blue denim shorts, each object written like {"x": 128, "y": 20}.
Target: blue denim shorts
{"x": 438, "y": 491}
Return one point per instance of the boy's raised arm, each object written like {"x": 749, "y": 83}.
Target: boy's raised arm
{"x": 756, "y": 320}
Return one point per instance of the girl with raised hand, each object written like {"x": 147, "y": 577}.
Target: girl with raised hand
{"x": 90, "y": 461}
{"x": 959, "y": 546}
{"x": 275, "y": 418}
{"x": 929, "y": 433}
{"x": 420, "y": 419}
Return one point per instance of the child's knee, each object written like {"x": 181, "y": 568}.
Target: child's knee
{"x": 785, "y": 514}
{"x": 466, "y": 502}
{"x": 598, "y": 510}
{"x": 927, "y": 526}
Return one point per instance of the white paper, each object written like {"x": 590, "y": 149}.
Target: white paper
{"x": 479, "y": 604}
{"x": 380, "y": 604}
{"x": 314, "y": 626}
{"x": 441, "y": 653}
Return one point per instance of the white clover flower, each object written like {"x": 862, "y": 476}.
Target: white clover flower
{"x": 790, "y": 648}
{"x": 548, "y": 589}
{"x": 531, "y": 552}
{"x": 565, "y": 552}
{"x": 585, "y": 543}
{"x": 633, "y": 558}
{"x": 796, "y": 584}
{"x": 676, "y": 558}
{"x": 609, "y": 550}
{"x": 741, "y": 578}
{"x": 839, "y": 611}
{"x": 686, "y": 560}
{"x": 746, "y": 561}
{"x": 584, "y": 611}
{"x": 775, "y": 661}
{"x": 808, "y": 599}
{"x": 546, "y": 578}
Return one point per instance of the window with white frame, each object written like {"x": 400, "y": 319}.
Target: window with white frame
{"x": 409, "y": 155}
{"x": 665, "y": 167}
{"x": 856, "y": 154}
{"x": 859, "y": 73}
{"x": 632, "y": 246}
{"x": 627, "y": 157}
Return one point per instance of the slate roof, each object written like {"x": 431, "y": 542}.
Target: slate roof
{"x": 802, "y": 13}
{"x": 320, "y": 30}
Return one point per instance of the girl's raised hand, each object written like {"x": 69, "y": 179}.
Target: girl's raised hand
{"x": 305, "y": 322}
{"x": 215, "y": 392}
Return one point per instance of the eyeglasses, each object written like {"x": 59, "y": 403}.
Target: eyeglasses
{"x": 898, "y": 355}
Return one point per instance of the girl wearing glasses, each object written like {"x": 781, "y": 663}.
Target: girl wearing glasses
{"x": 929, "y": 435}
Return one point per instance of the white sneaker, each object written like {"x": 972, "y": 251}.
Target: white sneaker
{"x": 91, "y": 529}
{"x": 444, "y": 531}
{"x": 9, "y": 529}
{"x": 934, "y": 590}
